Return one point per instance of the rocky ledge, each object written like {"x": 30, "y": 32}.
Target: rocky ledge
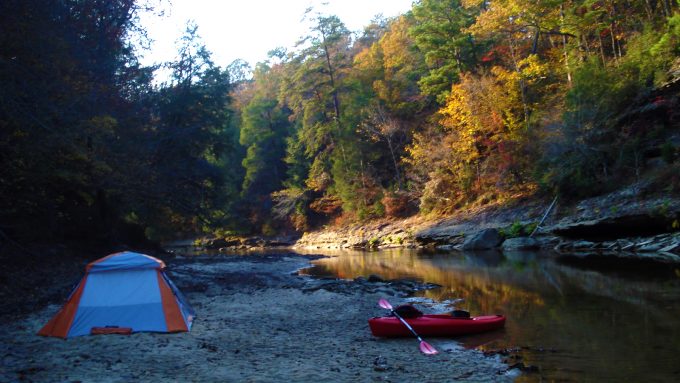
{"x": 630, "y": 223}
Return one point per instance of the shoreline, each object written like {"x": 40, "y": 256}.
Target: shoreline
{"x": 256, "y": 321}
{"x": 621, "y": 225}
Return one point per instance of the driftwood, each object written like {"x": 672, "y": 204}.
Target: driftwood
{"x": 544, "y": 217}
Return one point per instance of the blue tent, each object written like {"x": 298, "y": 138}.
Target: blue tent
{"x": 123, "y": 292}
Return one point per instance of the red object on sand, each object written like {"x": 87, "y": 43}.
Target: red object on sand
{"x": 111, "y": 330}
{"x": 435, "y": 325}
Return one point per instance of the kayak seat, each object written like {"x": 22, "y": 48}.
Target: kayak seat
{"x": 460, "y": 314}
{"x": 408, "y": 311}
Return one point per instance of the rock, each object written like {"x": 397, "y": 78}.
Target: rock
{"x": 483, "y": 240}
{"x": 359, "y": 244}
{"x": 669, "y": 257}
{"x": 219, "y": 243}
{"x": 520, "y": 243}
{"x": 216, "y": 243}
{"x": 562, "y": 246}
{"x": 251, "y": 241}
{"x": 650, "y": 248}
{"x": 629, "y": 246}
{"x": 280, "y": 241}
{"x": 375, "y": 278}
{"x": 670, "y": 248}
{"x": 612, "y": 246}
{"x": 444, "y": 247}
{"x": 645, "y": 243}
{"x": 583, "y": 245}
{"x": 439, "y": 238}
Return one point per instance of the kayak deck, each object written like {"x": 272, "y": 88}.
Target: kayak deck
{"x": 435, "y": 325}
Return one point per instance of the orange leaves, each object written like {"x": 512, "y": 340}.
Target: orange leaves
{"x": 328, "y": 204}
{"x": 483, "y": 136}
{"x": 397, "y": 205}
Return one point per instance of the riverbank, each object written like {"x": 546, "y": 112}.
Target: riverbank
{"x": 632, "y": 223}
{"x": 257, "y": 321}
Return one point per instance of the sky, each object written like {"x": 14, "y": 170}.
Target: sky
{"x": 248, "y": 29}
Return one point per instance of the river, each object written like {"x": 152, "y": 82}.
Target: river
{"x": 576, "y": 320}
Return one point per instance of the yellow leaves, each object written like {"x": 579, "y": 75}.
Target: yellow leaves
{"x": 366, "y": 59}
{"x": 482, "y": 119}
{"x": 532, "y": 68}
{"x": 472, "y": 3}
{"x": 417, "y": 151}
{"x": 497, "y": 18}
{"x": 514, "y": 17}
{"x": 505, "y": 77}
{"x": 458, "y": 118}
{"x": 390, "y": 53}
{"x": 395, "y": 44}
{"x": 456, "y": 112}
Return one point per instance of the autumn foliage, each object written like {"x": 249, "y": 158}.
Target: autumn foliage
{"x": 456, "y": 102}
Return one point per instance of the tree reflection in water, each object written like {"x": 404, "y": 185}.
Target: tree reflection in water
{"x": 573, "y": 321}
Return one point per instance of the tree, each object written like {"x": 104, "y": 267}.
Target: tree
{"x": 313, "y": 91}
{"x": 440, "y": 33}
{"x": 70, "y": 88}
{"x": 264, "y": 130}
{"x": 239, "y": 71}
{"x": 190, "y": 147}
{"x": 390, "y": 68}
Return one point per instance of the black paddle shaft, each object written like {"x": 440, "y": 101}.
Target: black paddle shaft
{"x": 408, "y": 326}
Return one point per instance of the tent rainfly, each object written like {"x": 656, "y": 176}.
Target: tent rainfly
{"x": 123, "y": 292}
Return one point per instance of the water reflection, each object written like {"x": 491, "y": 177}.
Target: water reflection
{"x": 574, "y": 322}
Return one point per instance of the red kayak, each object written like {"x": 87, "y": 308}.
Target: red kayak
{"x": 435, "y": 325}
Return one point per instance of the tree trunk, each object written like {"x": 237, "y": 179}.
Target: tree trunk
{"x": 583, "y": 46}
{"x": 611, "y": 33}
{"x": 534, "y": 47}
{"x": 388, "y": 138}
{"x": 522, "y": 87}
{"x": 667, "y": 7}
{"x": 473, "y": 50}
{"x": 599, "y": 37}
{"x": 334, "y": 94}
{"x": 564, "y": 45}
{"x": 649, "y": 10}
{"x": 334, "y": 91}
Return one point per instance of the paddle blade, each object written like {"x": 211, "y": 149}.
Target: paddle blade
{"x": 384, "y": 304}
{"x": 427, "y": 349}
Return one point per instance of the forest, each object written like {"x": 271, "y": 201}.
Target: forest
{"x": 453, "y": 104}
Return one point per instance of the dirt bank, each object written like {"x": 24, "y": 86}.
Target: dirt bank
{"x": 257, "y": 322}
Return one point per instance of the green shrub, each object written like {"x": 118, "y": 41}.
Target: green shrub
{"x": 517, "y": 229}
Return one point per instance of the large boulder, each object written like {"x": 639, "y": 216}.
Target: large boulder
{"x": 520, "y": 243}
{"x": 483, "y": 240}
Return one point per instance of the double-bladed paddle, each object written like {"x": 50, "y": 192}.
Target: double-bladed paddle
{"x": 425, "y": 347}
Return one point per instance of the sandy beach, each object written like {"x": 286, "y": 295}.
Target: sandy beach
{"x": 257, "y": 321}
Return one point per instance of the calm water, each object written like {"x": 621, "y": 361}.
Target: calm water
{"x": 575, "y": 320}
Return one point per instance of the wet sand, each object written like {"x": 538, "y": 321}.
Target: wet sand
{"x": 257, "y": 321}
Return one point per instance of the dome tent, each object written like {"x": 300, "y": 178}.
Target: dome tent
{"x": 124, "y": 290}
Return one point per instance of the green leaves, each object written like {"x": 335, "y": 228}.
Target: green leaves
{"x": 440, "y": 33}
